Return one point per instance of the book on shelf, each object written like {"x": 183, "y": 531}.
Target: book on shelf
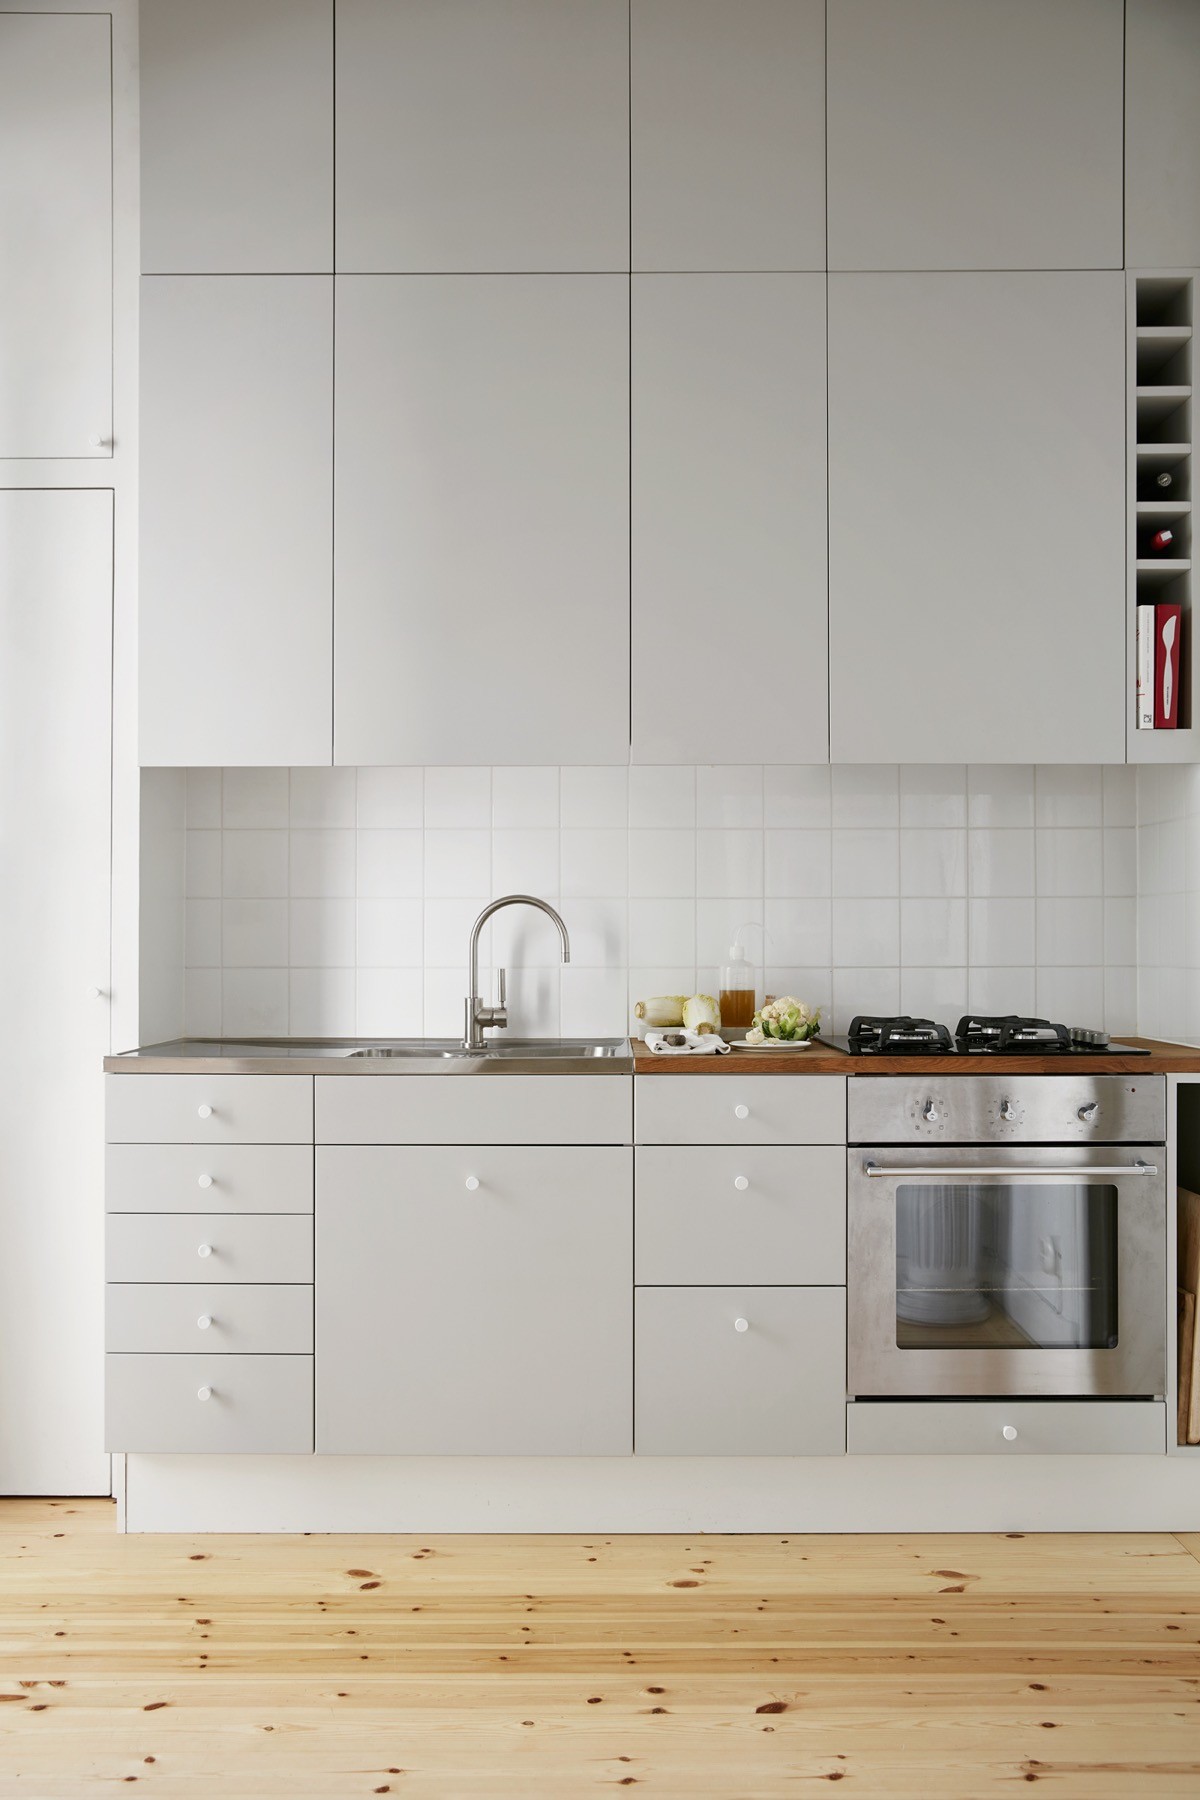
{"x": 1159, "y": 631}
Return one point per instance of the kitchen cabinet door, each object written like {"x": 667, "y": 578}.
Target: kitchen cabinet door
{"x": 236, "y": 593}
{"x": 56, "y": 232}
{"x": 237, "y": 136}
{"x": 485, "y": 1320}
{"x": 977, "y": 540}
{"x": 968, "y": 135}
{"x": 1162, "y": 134}
{"x": 478, "y": 138}
{"x": 55, "y": 808}
{"x": 727, "y": 134}
{"x": 482, "y": 542}
{"x": 729, "y": 517}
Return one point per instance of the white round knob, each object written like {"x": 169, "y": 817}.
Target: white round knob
{"x": 1009, "y": 1433}
{"x": 204, "y": 1181}
{"x": 204, "y": 1321}
{"x": 95, "y": 993}
{"x": 741, "y": 1112}
{"x": 97, "y": 441}
{"x": 741, "y": 1324}
{"x": 204, "y": 1250}
{"x": 472, "y": 1183}
{"x": 204, "y": 1393}
{"x": 204, "y": 1112}
{"x": 740, "y": 1183}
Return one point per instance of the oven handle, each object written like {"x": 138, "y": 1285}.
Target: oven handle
{"x": 962, "y": 1174}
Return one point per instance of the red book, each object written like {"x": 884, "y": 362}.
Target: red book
{"x": 1168, "y": 626}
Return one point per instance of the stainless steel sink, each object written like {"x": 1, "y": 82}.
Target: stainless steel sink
{"x": 402, "y": 1056}
{"x": 514, "y": 1054}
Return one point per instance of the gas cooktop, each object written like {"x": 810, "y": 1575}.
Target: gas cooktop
{"x": 1009, "y": 1034}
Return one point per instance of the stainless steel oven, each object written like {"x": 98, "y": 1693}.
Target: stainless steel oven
{"x": 1007, "y": 1236}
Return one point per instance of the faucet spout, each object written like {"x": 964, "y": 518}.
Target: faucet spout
{"x": 479, "y": 1016}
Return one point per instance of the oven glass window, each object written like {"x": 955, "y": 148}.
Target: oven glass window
{"x": 1006, "y": 1266}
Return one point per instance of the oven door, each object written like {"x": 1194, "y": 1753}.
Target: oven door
{"x": 1005, "y": 1270}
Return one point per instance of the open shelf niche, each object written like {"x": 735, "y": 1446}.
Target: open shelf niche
{"x": 1160, "y": 313}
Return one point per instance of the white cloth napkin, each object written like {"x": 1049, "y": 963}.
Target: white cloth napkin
{"x": 696, "y": 1043}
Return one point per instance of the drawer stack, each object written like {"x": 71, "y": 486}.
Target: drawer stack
{"x": 740, "y": 1266}
{"x": 209, "y": 1263}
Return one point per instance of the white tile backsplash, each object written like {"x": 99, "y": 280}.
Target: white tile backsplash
{"x": 339, "y": 901}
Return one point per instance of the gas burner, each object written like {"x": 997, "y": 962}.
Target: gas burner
{"x": 901, "y": 1036}
{"x": 1010, "y": 1034}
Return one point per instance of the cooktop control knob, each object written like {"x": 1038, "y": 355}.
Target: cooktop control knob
{"x": 1088, "y": 1112}
{"x": 1008, "y": 1111}
{"x": 930, "y": 1113}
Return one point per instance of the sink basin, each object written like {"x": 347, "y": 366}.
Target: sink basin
{"x": 518, "y": 1050}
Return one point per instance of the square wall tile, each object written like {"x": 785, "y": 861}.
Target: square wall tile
{"x": 799, "y": 933}
{"x": 865, "y": 794}
{"x": 662, "y": 933}
{"x": 445, "y": 993}
{"x": 1000, "y": 863}
{"x": 391, "y": 799}
{"x": 730, "y": 862}
{"x": 933, "y": 863}
{"x": 662, "y": 863}
{"x": 1002, "y": 933}
{"x": 1070, "y": 933}
{"x": 999, "y": 991}
{"x": 798, "y": 863}
{"x": 323, "y": 797}
{"x": 1001, "y": 795}
{"x": 390, "y": 1003}
{"x": 533, "y": 1002}
{"x": 594, "y": 861}
{"x": 254, "y": 934}
{"x": 458, "y": 862}
{"x": 525, "y": 861}
{"x": 322, "y": 1003}
{"x": 525, "y": 797}
{"x": 933, "y": 933}
{"x": 599, "y": 929}
{"x": 321, "y": 934}
{"x": 717, "y": 921}
{"x": 391, "y": 864}
{"x": 254, "y": 799}
{"x": 596, "y": 798}
{"x": 390, "y": 932}
{"x": 866, "y": 863}
{"x": 730, "y": 795}
{"x": 323, "y": 864}
{"x": 863, "y": 991}
{"x": 254, "y": 864}
{"x": 203, "y": 799}
{"x": 662, "y": 797}
{"x": 593, "y": 1002}
{"x": 1071, "y": 996}
{"x": 935, "y": 993}
{"x": 813, "y": 986}
{"x": 448, "y": 923}
{"x": 797, "y": 796}
{"x": 1070, "y": 794}
{"x": 254, "y": 1002}
{"x": 933, "y": 794}
{"x": 1070, "y": 862}
{"x": 202, "y": 864}
{"x": 458, "y": 797}
{"x": 866, "y": 933}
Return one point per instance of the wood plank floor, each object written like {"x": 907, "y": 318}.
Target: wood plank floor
{"x": 323, "y": 1668}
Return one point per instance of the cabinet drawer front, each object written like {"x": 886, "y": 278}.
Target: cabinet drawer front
{"x": 249, "y": 1178}
{"x": 222, "y": 1247}
{"x": 977, "y": 1427}
{"x": 474, "y": 1109}
{"x": 209, "y": 1318}
{"x": 740, "y": 1109}
{"x": 702, "y": 1387}
{"x": 717, "y": 1215}
{"x": 209, "y": 1109}
{"x": 258, "y": 1405}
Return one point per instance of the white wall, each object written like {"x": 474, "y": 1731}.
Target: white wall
{"x": 1169, "y": 902}
{"x": 338, "y": 901}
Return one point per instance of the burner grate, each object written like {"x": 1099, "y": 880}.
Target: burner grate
{"x": 899, "y": 1036}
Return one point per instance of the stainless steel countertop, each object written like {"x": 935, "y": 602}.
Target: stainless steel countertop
{"x": 375, "y": 1056}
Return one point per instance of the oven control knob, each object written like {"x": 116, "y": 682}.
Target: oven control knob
{"x": 1087, "y": 1113}
{"x": 930, "y": 1113}
{"x": 1008, "y": 1111}
{"x": 1009, "y": 1434}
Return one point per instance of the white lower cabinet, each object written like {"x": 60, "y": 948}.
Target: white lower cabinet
{"x": 474, "y": 1301}
{"x": 170, "y": 1247}
{"x": 718, "y": 1214}
{"x": 258, "y": 1405}
{"x": 220, "y": 1319}
{"x": 740, "y": 1371}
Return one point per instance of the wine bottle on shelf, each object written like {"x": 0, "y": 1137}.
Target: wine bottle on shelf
{"x": 1161, "y": 542}
{"x": 1156, "y": 486}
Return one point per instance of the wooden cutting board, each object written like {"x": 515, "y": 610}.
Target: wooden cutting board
{"x": 1188, "y": 1278}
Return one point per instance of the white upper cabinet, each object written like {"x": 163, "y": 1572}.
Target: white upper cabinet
{"x": 975, "y": 134}
{"x": 236, "y": 519}
{"x": 728, "y": 134}
{"x": 1162, "y": 134}
{"x": 56, "y": 233}
{"x": 482, "y": 509}
{"x": 237, "y": 136}
{"x": 729, "y": 514}
{"x": 482, "y": 137}
{"x": 976, "y": 517}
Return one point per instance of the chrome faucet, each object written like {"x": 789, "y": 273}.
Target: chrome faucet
{"x": 478, "y": 1015}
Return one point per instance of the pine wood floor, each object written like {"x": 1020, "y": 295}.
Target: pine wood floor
{"x": 324, "y": 1668}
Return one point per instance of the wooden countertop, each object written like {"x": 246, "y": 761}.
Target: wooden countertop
{"x": 1164, "y": 1059}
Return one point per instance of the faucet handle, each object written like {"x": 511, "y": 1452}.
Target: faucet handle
{"x": 502, "y": 974}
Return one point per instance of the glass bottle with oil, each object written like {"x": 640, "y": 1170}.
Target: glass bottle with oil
{"x": 738, "y": 995}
